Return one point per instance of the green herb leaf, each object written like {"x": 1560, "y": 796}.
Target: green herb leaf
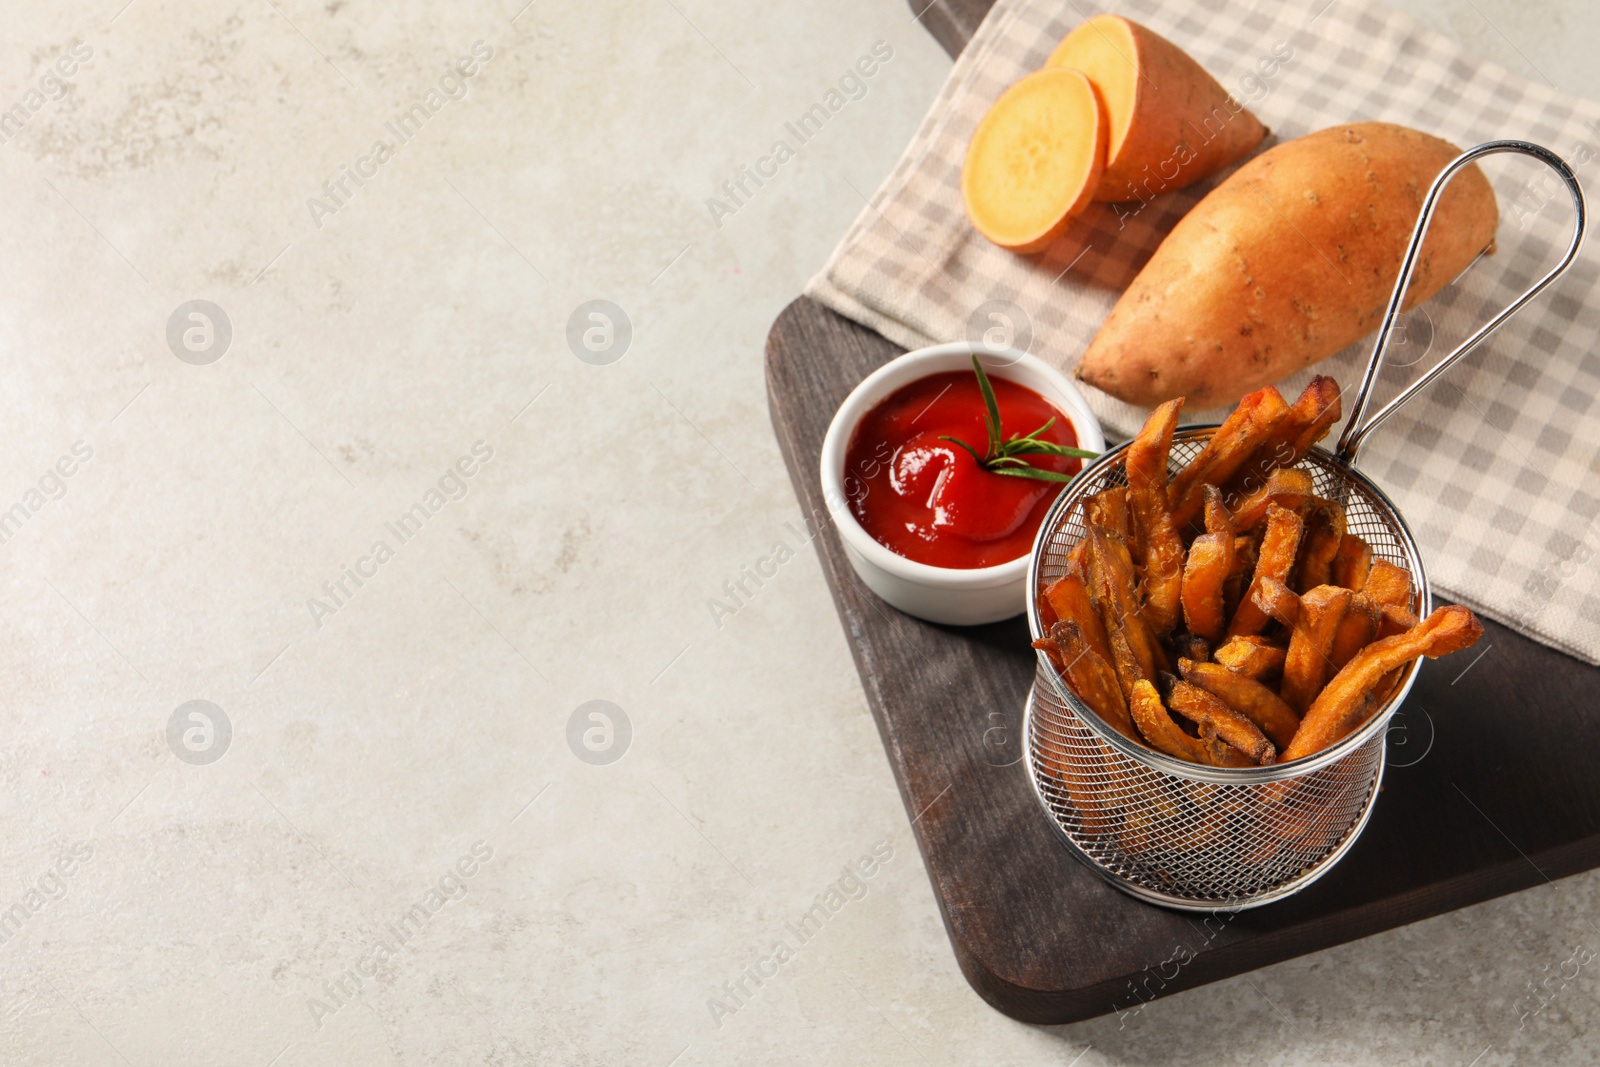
{"x": 990, "y": 403}
{"x": 1026, "y": 447}
{"x": 1003, "y": 457}
{"x": 958, "y": 441}
{"x": 1033, "y": 472}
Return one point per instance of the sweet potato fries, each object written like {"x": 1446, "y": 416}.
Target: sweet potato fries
{"x": 1224, "y": 614}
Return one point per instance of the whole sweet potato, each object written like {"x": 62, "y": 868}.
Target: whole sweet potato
{"x": 1290, "y": 259}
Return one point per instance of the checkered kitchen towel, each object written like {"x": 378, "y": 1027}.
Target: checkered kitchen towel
{"x": 1496, "y": 466}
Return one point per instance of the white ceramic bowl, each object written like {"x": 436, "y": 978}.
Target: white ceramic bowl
{"x": 941, "y": 594}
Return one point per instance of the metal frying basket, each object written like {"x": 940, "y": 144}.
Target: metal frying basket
{"x": 1205, "y": 838}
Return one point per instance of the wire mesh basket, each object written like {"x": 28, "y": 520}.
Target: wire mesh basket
{"x": 1219, "y": 838}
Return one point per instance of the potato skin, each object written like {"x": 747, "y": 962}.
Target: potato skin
{"x": 1290, "y": 259}
{"x": 1185, "y": 125}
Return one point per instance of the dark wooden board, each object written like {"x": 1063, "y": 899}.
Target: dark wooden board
{"x": 1502, "y": 797}
{"x": 952, "y": 22}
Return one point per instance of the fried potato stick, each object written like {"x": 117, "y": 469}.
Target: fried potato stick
{"x": 1160, "y": 547}
{"x": 1244, "y": 565}
{"x": 1311, "y": 416}
{"x": 1210, "y": 714}
{"x": 1324, "y": 530}
{"x": 1158, "y": 729}
{"x": 1221, "y": 753}
{"x": 1231, "y": 446}
{"x": 1108, "y": 509}
{"x": 1090, "y": 676}
{"x": 1217, "y": 543}
{"x": 1219, "y": 520}
{"x": 1357, "y": 630}
{"x": 1308, "y": 420}
{"x": 1309, "y": 659}
{"x": 1068, "y": 597}
{"x": 1078, "y": 558}
{"x": 1125, "y": 660}
{"x": 1351, "y": 563}
{"x": 1289, "y": 487}
{"x": 1280, "y": 604}
{"x": 1246, "y": 696}
{"x": 1111, "y": 585}
{"x": 1388, "y": 584}
{"x": 1204, "y": 587}
{"x": 1395, "y": 619}
{"x": 1191, "y": 646}
{"x": 1252, "y": 656}
{"x": 1341, "y": 706}
{"x": 1276, "y": 559}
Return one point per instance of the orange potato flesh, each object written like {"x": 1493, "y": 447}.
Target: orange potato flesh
{"x": 1341, "y": 707}
{"x": 1308, "y": 662}
{"x": 1169, "y": 123}
{"x": 1035, "y": 160}
{"x": 1157, "y": 538}
{"x": 1276, "y": 558}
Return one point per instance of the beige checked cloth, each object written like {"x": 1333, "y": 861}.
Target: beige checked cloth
{"x": 1496, "y": 466}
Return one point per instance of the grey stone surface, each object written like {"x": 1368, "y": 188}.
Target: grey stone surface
{"x": 398, "y": 795}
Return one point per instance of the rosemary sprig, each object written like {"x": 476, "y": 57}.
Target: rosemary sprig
{"x": 1005, "y": 457}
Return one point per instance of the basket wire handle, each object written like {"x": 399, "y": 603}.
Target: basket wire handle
{"x": 1354, "y": 431}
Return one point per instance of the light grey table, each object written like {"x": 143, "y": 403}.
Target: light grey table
{"x": 392, "y": 833}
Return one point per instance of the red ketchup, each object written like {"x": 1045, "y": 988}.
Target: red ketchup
{"x": 928, "y": 500}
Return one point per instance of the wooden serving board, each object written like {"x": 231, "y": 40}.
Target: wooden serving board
{"x": 1489, "y": 787}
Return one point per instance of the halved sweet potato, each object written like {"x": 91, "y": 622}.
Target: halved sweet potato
{"x": 1034, "y": 160}
{"x": 1169, "y": 122}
